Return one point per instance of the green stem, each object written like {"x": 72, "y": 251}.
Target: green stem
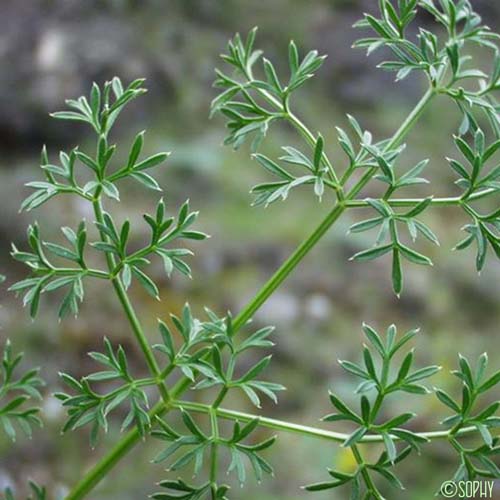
{"x": 130, "y": 312}
{"x": 304, "y": 430}
{"x": 406, "y": 202}
{"x": 287, "y": 267}
{"x": 381, "y": 390}
{"x": 410, "y": 202}
{"x": 121, "y": 449}
{"x": 214, "y": 462}
{"x": 303, "y": 130}
{"x": 325, "y": 225}
{"x": 407, "y": 125}
{"x": 69, "y": 271}
{"x": 366, "y": 475}
{"x": 309, "y": 137}
{"x": 106, "y": 464}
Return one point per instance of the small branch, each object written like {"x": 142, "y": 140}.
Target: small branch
{"x": 365, "y": 473}
{"x": 410, "y": 202}
{"x": 304, "y": 430}
{"x": 130, "y": 312}
{"x": 67, "y": 271}
{"x": 305, "y": 132}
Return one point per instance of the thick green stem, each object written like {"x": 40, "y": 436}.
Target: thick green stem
{"x": 122, "y": 448}
{"x": 287, "y": 267}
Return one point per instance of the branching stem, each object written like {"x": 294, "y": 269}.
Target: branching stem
{"x": 130, "y": 312}
{"x": 99, "y": 471}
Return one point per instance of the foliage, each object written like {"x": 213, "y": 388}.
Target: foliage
{"x": 206, "y": 355}
{"x": 89, "y": 407}
{"x": 466, "y": 413}
{"x": 16, "y": 393}
{"x": 38, "y": 492}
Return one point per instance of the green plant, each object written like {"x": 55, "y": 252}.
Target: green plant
{"x": 207, "y": 352}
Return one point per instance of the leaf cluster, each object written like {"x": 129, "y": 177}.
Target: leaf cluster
{"x": 483, "y": 231}
{"x": 387, "y": 221}
{"x": 476, "y": 461}
{"x": 16, "y": 395}
{"x": 428, "y": 52}
{"x": 195, "y": 445}
{"x": 210, "y": 348}
{"x": 89, "y": 407}
{"x": 245, "y": 97}
{"x": 47, "y": 277}
{"x": 315, "y": 174}
{"x": 378, "y": 379}
{"x": 37, "y": 492}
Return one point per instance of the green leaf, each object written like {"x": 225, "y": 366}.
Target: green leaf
{"x": 372, "y": 253}
{"x": 374, "y": 339}
{"x": 272, "y": 167}
{"x": 136, "y": 149}
{"x": 355, "y": 437}
{"x": 318, "y": 153}
{"x": 390, "y": 447}
{"x": 490, "y": 383}
{"x": 255, "y": 370}
{"x": 146, "y": 180}
{"x": 146, "y": 282}
{"x": 397, "y": 273}
{"x": 151, "y": 162}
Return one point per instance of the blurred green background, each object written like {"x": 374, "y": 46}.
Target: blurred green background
{"x": 52, "y": 50}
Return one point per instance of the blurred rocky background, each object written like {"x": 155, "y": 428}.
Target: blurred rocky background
{"x": 53, "y": 49}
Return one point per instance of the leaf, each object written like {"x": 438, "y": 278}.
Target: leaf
{"x": 423, "y": 373}
{"x": 135, "y": 151}
{"x": 318, "y": 153}
{"x": 355, "y": 437}
{"x": 255, "y": 370}
{"x": 374, "y": 339}
{"x": 342, "y": 407}
{"x": 110, "y": 190}
{"x": 398, "y": 421}
{"x": 252, "y": 395}
{"x": 272, "y": 167}
{"x": 191, "y": 425}
{"x": 372, "y": 253}
{"x": 151, "y": 162}
{"x": 397, "y": 273}
{"x": 146, "y": 282}
{"x": 365, "y": 410}
{"x": 354, "y": 369}
{"x": 366, "y": 225}
{"x": 490, "y": 383}
{"x": 390, "y": 447}
{"x": 146, "y": 180}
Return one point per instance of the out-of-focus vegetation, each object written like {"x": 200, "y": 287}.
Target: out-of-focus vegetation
{"x": 51, "y": 50}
